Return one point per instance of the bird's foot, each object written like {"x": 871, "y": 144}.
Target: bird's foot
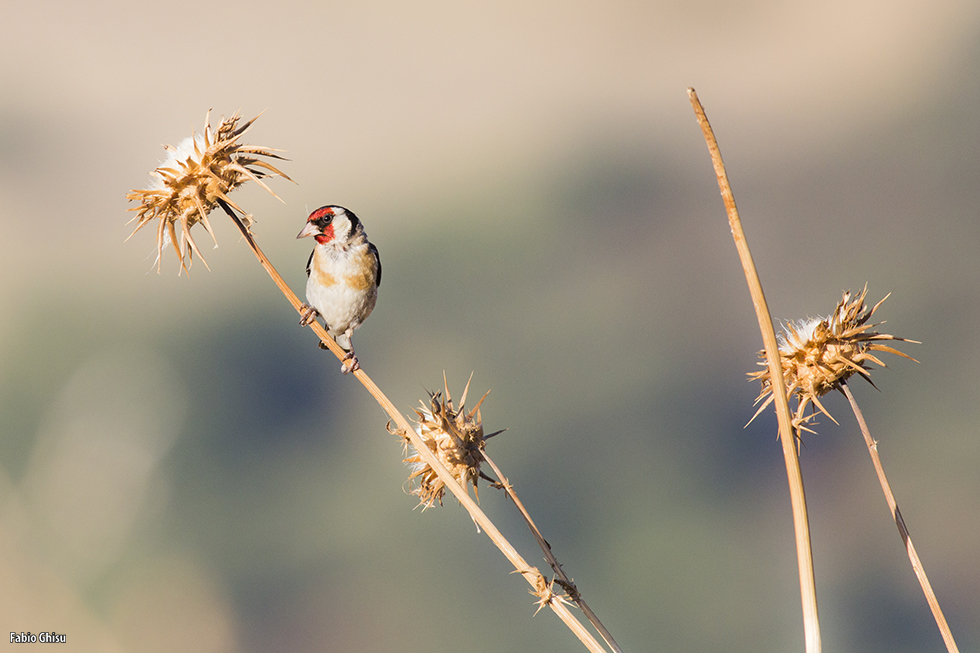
{"x": 307, "y": 314}
{"x": 350, "y": 363}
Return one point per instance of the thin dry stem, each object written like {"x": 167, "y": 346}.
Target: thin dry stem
{"x": 562, "y": 578}
{"x": 917, "y": 567}
{"x": 531, "y": 574}
{"x": 811, "y": 622}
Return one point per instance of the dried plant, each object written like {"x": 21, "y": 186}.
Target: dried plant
{"x": 817, "y": 355}
{"x": 196, "y": 175}
{"x": 455, "y": 437}
{"x": 811, "y": 358}
{"x": 801, "y": 522}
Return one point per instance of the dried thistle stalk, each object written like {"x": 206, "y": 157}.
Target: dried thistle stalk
{"x": 820, "y": 354}
{"x": 203, "y": 169}
{"x": 801, "y": 521}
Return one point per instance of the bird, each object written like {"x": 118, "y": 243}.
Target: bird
{"x": 344, "y": 272}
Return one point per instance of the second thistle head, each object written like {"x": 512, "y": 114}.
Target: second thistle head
{"x": 819, "y": 354}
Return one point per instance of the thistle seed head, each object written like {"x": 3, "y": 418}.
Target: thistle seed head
{"x": 203, "y": 169}
{"x": 455, "y": 437}
{"x": 819, "y": 354}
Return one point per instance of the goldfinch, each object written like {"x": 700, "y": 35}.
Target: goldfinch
{"x": 344, "y": 273}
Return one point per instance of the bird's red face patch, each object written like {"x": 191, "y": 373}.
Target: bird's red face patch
{"x": 320, "y": 213}
{"x": 326, "y": 236}
{"x": 320, "y": 216}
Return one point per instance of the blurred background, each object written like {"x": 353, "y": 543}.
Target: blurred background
{"x": 182, "y": 469}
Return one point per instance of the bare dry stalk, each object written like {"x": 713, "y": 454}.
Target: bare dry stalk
{"x": 540, "y": 587}
{"x": 917, "y": 567}
{"x": 787, "y": 436}
{"x": 561, "y": 577}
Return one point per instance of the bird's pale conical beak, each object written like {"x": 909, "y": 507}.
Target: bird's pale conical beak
{"x": 309, "y": 230}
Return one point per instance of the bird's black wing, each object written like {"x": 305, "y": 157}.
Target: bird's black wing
{"x": 377, "y": 257}
{"x": 309, "y": 263}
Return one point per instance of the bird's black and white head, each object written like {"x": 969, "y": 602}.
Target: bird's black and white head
{"x": 332, "y": 224}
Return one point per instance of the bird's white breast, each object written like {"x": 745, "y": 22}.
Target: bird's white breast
{"x": 342, "y": 286}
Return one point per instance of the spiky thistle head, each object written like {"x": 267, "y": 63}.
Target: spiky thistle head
{"x": 456, "y": 438}
{"x": 201, "y": 171}
{"x": 819, "y": 354}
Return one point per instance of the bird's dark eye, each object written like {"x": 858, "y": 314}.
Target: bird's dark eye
{"x": 322, "y": 217}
